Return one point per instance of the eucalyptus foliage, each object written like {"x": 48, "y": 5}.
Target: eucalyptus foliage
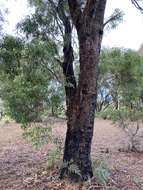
{"x": 26, "y": 76}
{"x": 120, "y": 77}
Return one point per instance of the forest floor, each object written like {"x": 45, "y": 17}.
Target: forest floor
{"x": 23, "y": 167}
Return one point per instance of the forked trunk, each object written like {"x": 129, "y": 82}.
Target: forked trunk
{"x": 81, "y": 109}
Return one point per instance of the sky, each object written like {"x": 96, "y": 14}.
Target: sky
{"x": 129, "y": 34}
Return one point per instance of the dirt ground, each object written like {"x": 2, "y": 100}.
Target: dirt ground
{"x": 21, "y": 164}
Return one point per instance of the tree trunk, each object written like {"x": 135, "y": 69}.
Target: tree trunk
{"x": 81, "y": 122}
{"x": 81, "y": 110}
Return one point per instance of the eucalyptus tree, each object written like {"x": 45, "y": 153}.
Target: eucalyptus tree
{"x": 88, "y": 19}
{"x": 87, "y": 16}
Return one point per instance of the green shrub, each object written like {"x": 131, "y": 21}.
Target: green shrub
{"x": 54, "y": 157}
{"x": 101, "y": 171}
{"x": 113, "y": 114}
{"x": 24, "y": 98}
{"x": 71, "y": 168}
{"x": 107, "y": 113}
{"x": 55, "y": 154}
{"x": 38, "y": 135}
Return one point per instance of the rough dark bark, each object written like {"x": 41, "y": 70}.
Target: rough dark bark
{"x": 70, "y": 86}
{"x": 89, "y": 25}
{"x": 68, "y": 71}
{"x": 70, "y": 81}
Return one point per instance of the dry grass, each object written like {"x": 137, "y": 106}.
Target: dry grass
{"x": 23, "y": 167}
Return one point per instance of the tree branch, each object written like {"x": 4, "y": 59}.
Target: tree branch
{"x": 116, "y": 16}
{"x": 67, "y": 64}
{"x": 53, "y": 73}
{"x": 75, "y": 11}
{"x": 137, "y": 5}
{"x": 55, "y": 8}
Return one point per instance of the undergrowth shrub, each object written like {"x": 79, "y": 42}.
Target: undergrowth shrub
{"x": 129, "y": 119}
{"x": 105, "y": 114}
{"x": 131, "y": 122}
{"x": 113, "y": 114}
{"x": 55, "y": 154}
{"x": 101, "y": 171}
{"x": 71, "y": 169}
{"x": 6, "y": 119}
{"x": 39, "y": 135}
